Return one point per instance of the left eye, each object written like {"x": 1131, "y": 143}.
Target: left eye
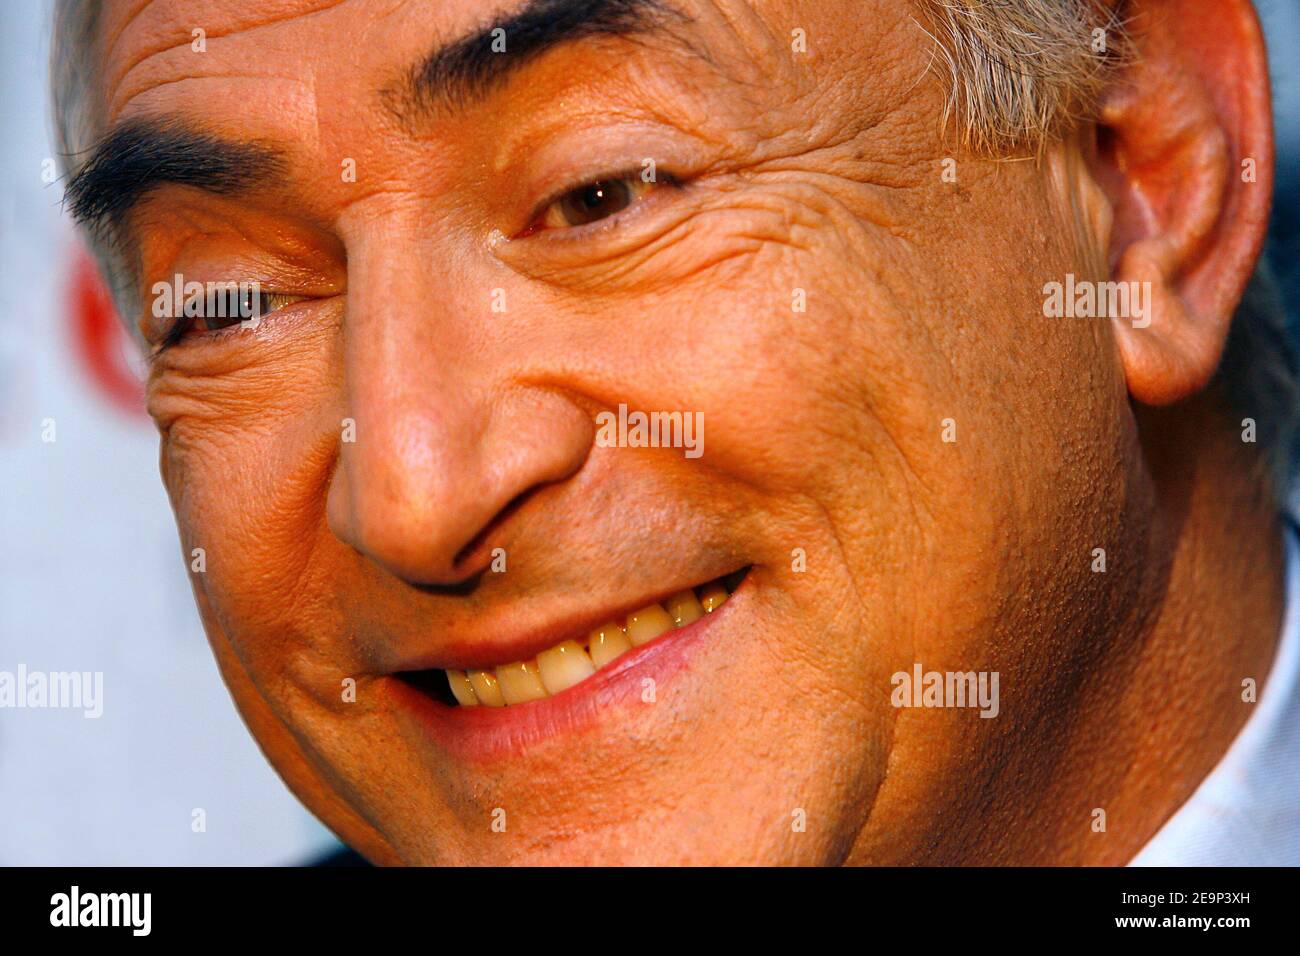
{"x": 593, "y": 202}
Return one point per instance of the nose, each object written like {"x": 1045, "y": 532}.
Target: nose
{"x": 447, "y": 431}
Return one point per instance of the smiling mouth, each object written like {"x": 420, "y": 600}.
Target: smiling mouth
{"x": 572, "y": 661}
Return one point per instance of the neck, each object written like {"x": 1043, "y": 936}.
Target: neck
{"x": 1209, "y": 619}
{"x": 1137, "y": 693}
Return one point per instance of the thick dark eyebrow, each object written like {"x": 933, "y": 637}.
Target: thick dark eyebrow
{"x": 140, "y": 155}
{"x": 470, "y": 67}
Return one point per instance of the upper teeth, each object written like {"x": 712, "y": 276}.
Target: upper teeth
{"x": 570, "y": 662}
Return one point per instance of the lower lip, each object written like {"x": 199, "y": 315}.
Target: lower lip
{"x": 481, "y": 733}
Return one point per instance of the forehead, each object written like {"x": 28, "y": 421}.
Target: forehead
{"x": 294, "y": 51}
{"x": 317, "y": 78}
{"x": 290, "y": 53}
{"x": 295, "y": 48}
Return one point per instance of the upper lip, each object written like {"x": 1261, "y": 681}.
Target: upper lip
{"x": 488, "y": 647}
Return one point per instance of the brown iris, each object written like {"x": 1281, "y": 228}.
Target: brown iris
{"x": 594, "y": 202}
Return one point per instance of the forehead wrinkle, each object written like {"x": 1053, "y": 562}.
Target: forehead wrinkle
{"x": 164, "y": 47}
{"x": 111, "y": 43}
{"x": 751, "y": 32}
{"x": 308, "y": 100}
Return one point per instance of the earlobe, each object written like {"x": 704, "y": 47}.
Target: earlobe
{"x": 1168, "y": 350}
{"x": 1186, "y": 161}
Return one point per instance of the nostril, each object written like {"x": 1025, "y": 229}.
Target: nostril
{"x": 470, "y": 552}
{"x": 459, "y": 589}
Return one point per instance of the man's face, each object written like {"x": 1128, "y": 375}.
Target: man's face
{"x": 399, "y": 469}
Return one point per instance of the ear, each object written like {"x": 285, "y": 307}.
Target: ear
{"x": 1185, "y": 155}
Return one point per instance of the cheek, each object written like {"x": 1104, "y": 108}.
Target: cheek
{"x": 802, "y": 360}
{"x": 246, "y": 460}
{"x": 868, "y": 392}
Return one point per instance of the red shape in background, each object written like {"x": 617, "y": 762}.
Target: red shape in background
{"x": 100, "y": 343}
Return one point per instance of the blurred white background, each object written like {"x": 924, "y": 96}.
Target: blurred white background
{"x": 91, "y": 573}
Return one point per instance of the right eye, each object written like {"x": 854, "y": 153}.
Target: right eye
{"x": 225, "y": 306}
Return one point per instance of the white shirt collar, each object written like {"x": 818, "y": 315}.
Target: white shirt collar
{"x": 1247, "y": 811}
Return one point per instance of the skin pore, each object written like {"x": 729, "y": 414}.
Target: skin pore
{"x": 331, "y": 561}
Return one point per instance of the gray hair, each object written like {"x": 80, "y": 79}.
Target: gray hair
{"x": 77, "y": 110}
{"x": 1018, "y": 72}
